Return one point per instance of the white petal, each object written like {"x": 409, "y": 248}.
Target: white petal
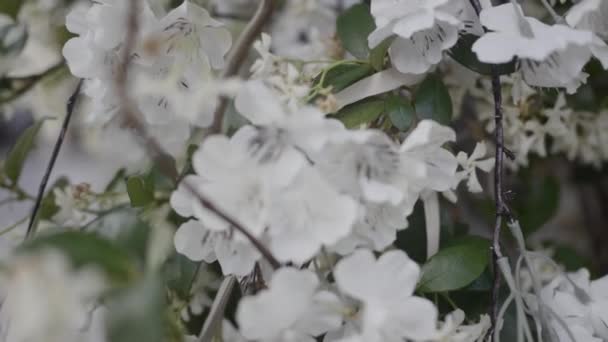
{"x": 192, "y": 240}
{"x": 216, "y": 42}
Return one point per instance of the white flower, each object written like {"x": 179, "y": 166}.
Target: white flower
{"x": 470, "y": 164}
{"x": 279, "y": 200}
{"x": 386, "y": 178}
{"x": 219, "y": 163}
{"x": 285, "y": 124}
{"x": 69, "y": 207}
{"x": 44, "y": 299}
{"x": 309, "y": 214}
{"x": 377, "y": 228}
{"x": 591, "y": 15}
{"x": 423, "y": 149}
{"x": 549, "y": 56}
{"x": 291, "y": 309}
{"x": 198, "y": 243}
{"x": 580, "y": 302}
{"x": 423, "y": 30}
{"x": 453, "y": 329}
{"x": 189, "y": 33}
{"x": 389, "y": 312}
{"x": 266, "y": 65}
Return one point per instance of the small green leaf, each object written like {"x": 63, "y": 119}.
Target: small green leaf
{"x": 353, "y": 27}
{"x": 463, "y": 53}
{"x": 48, "y": 207}
{"x": 456, "y": 266}
{"x": 344, "y": 75}
{"x": 87, "y": 249}
{"x": 19, "y": 152}
{"x": 179, "y": 273}
{"x": 360, "y": 113}
{"x": 400, "y": 112}
{"x": 138, "y": 313}
{"x": 377, "y": 56}
{"x": 140, "y": 190}
{"x": 432, "y": 100}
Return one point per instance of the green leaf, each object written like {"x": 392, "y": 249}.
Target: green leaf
{"x": 179, "y": 273}
{"x": 432, "y": 100}
{"x": 48, "y": 207}
{"x": 570, "y": 259}
{"x": 400, "y": 111}
{"x": 463, "y": 53}
{"x": 538, "y": 202}
{"x": 359, "y": 113}
{"x": 343, "y": 75}
{"x": 140, "y": 190}
{"x": 88, "y": 249}
{"x": 456, "y": 266}
{"x": 138, "y": 313}
{"x": 19, "y": 152}
{"x": 377, "y": 56}
{"x": 353, "y": 27}
{"x": 11, "y": 7}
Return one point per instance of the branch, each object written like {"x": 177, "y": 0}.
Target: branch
{"x": 216, "y": 313}
{"x": 71, "y": 105}
{"x": 21, "y": 85}
{"x": 502, "y": 210}
{"x": 131, "y": 117}
{"x": 239, "y": 53}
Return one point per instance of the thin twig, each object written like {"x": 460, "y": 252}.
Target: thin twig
{"x": 103, "y": 214}
{"x": 502, "y": 209}
{"x": 13, "y": 226}
{"x": 21, "y": 85}
{"x": 216, "y": 313}
{"x": 70, "y": 107}
{"x": 239, "y": 53}
{"x": 131, "y": 117}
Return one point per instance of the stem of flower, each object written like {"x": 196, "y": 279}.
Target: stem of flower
{"x": 556, "y": 17}
{"x": 239, "y": 53}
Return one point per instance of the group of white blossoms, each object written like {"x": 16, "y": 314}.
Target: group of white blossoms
{"x": 308, "y": 188}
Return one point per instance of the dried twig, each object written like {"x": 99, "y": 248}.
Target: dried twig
{"x": 239, "y": 53}
{"x": 71, "y": 105}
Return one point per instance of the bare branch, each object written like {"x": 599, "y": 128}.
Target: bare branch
{"x": 239, "y": 53}
{"x": 71, "y": 105}
{"x": 502, "y": 209}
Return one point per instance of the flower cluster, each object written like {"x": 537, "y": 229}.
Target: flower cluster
{"x": 303, "y": 175}
{"x": 171, "y": 67}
